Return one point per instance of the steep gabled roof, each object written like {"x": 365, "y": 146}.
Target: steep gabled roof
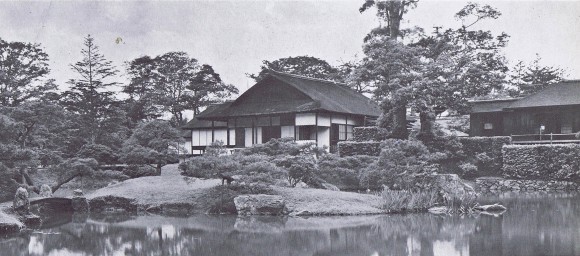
{"x": 314, "y": 95}
{"x": 332, "y": 96}
{"x": 561, "y": 94}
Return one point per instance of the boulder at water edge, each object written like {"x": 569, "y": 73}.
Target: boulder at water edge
{"x": 259, "y": 204}
{"x": 21, "y": 202}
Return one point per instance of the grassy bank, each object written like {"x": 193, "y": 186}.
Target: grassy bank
{"x": 208, "y": 196}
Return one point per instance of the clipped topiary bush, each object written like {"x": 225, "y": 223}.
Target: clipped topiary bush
{"x": 485, "y": 153}
{"x": 343, "y": 171}
{"x": 370, "y": 133}
{"x": 136, "y": 171}
{"x": 208, "y": 166}
{"x": 353, "y": 148}
{"x": 542, "y": 162}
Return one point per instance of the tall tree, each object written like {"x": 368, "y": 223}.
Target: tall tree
{"x": 22, "y": 69}
{"x": 439, "y": 71}
{"x": 174, "y": 82}
{"x": 458, "y": 64}
{"x": 299, "y": 65}
{"x": 91, "y": 99}
{"x": 392, "y": 12}
{"x": 533, "y": 77}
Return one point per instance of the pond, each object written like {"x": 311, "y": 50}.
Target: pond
{"x": 535, "y": 224}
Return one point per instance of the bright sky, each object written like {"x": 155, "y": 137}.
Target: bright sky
{"x": 235, "y": 36}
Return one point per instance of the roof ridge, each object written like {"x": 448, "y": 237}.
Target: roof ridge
{"x": 306, "y": 77}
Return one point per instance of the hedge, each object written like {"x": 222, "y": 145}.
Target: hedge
{"x": 370, "y": 133}
{"x": 490, "y": 146}
{"x": 353, "y": 148}
{"x": 542, "y": 162}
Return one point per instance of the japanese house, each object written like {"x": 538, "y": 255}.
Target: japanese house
{"x": 284, "y": 105}
{"x": 550, "y": 115}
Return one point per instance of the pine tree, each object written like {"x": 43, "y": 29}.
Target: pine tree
{"x": 90, "y": 96}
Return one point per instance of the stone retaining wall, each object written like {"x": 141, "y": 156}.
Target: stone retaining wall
{"x": 499, "y": 184}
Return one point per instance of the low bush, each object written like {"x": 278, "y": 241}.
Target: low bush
{"x": 485, "y": 153}
{"x": 136, "y": 171}
{"x": 301, "y": 168}
{"x": 262, "y": 172}
{"x": 208, "y": 166}
{"x": 274, "y": 147}
{"x": 370, "y": 133}
{"x": 343, "y": 172}
{"x": 353, "y": 148}
{"x": 542, "y": 162}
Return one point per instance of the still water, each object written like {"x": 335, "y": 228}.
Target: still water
{"x": 535, "y": 224}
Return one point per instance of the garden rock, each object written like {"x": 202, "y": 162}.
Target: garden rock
{"x": 259, "y": 204}
{"x": 451, "y": 186}
{"x": 45, "y": 191}
{"x": 21, "y": 202}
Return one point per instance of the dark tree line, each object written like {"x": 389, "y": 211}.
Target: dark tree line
{"x": 86, "y": 126}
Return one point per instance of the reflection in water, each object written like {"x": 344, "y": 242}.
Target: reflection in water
{"x": 535, "y": 224}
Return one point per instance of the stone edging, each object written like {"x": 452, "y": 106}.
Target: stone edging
{"x": 500, "y": 184}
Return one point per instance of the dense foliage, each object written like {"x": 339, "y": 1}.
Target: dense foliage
{"x": 542, "y": 162}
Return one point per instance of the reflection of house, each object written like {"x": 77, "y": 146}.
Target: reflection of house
{"x": 551, "y": 114}
{"x": 284, "y": 105}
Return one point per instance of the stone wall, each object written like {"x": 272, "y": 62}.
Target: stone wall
{"x": 500, "y": 184}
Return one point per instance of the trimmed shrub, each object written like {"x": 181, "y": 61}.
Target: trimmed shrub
{"x": 370, "y": 133}
{"x": 542, "y": 162}
{"x": 208, "y": 166}
{"x": 399, "y": 165}
{"x": 300, "y": 168}
{"x": 282, "y": 146}
{"x": 353, "y": 148}
{"x": 136, "y": 171}
{"x": 485, "y": 153}
{"x": 343, "y": 171}
{"x": 262, "y": 172}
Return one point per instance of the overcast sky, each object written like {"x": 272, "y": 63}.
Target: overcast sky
{"x": 235, "y": 36}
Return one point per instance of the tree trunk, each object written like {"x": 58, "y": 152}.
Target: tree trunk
{"x": 426, "y": 133}
{"x": 399, "y": 123}
{"x": 158, "y": 169}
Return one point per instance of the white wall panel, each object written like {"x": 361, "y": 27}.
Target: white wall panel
{"x": 324, "y": 120}
{"x": 287, "y": 131}
{"x": 305, "y": 119}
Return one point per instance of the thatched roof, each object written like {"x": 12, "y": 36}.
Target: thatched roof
{"x": 286, "y": 93}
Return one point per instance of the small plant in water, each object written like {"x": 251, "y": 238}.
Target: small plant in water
{"x": 408, "y": 201}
